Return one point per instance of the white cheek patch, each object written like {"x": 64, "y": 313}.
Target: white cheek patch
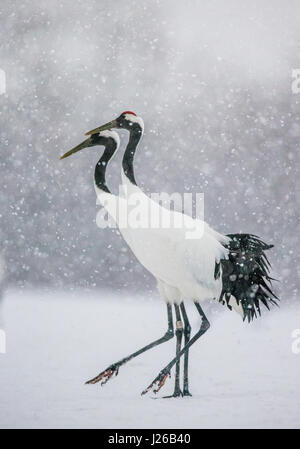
{"x": 112, "y": 135}
{"x": 135, "y": 119}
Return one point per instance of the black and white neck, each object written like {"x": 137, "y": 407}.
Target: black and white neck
{"x": 135, "y": 134}
{"x": 111, "y": 141}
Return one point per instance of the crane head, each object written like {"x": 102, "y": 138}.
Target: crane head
{"x": 103, "y": 138}
{"x": 127, "y": 120}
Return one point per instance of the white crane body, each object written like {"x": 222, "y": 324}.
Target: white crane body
{"x": 186, "y": 266}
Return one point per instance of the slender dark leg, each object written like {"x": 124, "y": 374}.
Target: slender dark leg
{"x": 178, "y": 333}
{"x": 165, "y": 372}
{"x": 114, "y": 368}
{"x": 187, "y": 334}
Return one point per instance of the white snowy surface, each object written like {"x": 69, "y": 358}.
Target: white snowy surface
{"x": 242, "y": 376}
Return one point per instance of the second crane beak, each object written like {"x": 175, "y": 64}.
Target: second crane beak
{"x": 87, "y": 143}
{"x": 109, "y": 125}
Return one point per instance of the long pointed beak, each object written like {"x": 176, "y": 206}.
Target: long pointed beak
{"x": 109, "y": 125}
{"x": 81, "y": 146}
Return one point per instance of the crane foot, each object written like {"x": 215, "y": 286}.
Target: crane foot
{"x": 186, "y": 393}
{"x": 158, "y": 382}
{"x": 106, "y": 375}
{"x": 176, "y": 394}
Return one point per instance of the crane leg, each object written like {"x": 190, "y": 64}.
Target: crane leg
{"x": 165, "y": 372}
{"x": 178, "y": 333}
{"x": 114, "y": 368}
{"x": 187, "y": 335}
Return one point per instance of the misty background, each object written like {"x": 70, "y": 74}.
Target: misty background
{"x": 212, "y": 81}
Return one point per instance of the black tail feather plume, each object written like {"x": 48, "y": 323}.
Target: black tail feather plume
{"x": 245, "y": 274}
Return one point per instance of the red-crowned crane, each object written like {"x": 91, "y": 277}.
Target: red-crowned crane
{"x": 232, "y": 269}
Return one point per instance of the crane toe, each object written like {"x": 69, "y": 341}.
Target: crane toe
{"x": 176, "y": 394}
{"x": 106, "y": 375}
{"x": 158, "y": 382}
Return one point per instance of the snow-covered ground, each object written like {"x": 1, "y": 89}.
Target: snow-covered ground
{"x": 241, "y": 375}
